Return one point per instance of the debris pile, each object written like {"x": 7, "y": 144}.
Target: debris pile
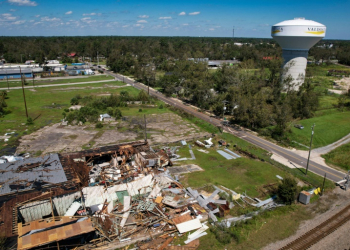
{"x": 117, "y": 195}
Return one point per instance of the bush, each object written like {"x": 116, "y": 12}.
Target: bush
{"x": 99, "y": 125}
{"x": 110, "y": 111}
{"x": 161, "y": 106}
{"x": 140, "y": 110}
{"x": 118, "y": 114}
{"x": 66, "y": 110}
{"x": 74, "y": 101}
{"x": 287, "y": 190}
{"x": 30, "y": 121}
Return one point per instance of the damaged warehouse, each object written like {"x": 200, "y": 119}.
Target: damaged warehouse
{"x": 116, "y": 195}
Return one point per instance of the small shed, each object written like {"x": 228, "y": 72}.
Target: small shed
{"x": 105, "y": 117}
{"x": 304, "y": 197}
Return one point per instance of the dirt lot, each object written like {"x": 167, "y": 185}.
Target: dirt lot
{"x": 323, "y": 209}
{"x": 161, "y": 128}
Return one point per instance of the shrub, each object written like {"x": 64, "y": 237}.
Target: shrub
{"x": 140, "y": 110}
{"x": 118, "y": 114}
{"x": 30, "y": 121}
{"x": 66, "y": 110}
{"x": 287, "y": 190}
{"x": 74, "y": 101}
{"x": 110, "y": 111}
{"x": 99, "y": 125}
{"x": 161, "y": 106}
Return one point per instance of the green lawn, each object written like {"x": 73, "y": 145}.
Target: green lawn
{"x": 3, "y": 84}
{"x": 339, "y": 156}
{"x": 328, "y": 101}
{"x": 328, "y": 129}
{"x": 240, "y": 175}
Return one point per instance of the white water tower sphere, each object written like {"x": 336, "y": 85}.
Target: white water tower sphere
{"x": 296, "y": 37}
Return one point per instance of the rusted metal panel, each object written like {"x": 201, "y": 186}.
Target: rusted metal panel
{"x": 52, "y": 234}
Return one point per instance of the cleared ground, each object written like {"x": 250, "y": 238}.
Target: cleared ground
{"x": 161, "y": 129}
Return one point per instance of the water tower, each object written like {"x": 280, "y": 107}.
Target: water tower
{"x": 296, "y": 37}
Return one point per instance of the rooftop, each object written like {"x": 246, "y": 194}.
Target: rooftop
{"x": 31, "y": 173}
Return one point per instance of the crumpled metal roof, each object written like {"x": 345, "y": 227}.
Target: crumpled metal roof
{"x": 31, "y": 173}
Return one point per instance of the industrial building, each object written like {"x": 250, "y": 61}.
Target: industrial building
{"x": 296, "y": 37}
{"x": 15, "y": 73}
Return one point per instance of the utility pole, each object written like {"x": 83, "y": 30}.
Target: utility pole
{"x": 98, "y": 61}
{"x": 324, "y": 179}
{"x": 24, "y": 96}
{"x": 308, "y": 159}
{"x": 223, "y": 111}
{"x": 144, "y": 116}
{"x": 7, "y": 79}
{"x": 33, "y": 79}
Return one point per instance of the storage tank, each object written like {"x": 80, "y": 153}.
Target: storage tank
{"x": 296, "y": 37}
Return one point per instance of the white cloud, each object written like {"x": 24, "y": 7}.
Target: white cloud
{"x": 143, "y": 16}
{"x": 185, "y": 24}
{"x": 182, "y": 13}
{"x": 12, "y": 10}
{"x": 31, "y": 21}
{"x": 125, "y": 26}
{"x": 165, "y": 17}
{"x": 69, "y": 12}
{"x": 37, "y": 15}
{"x": 47, "y": 19}
{"x": 142, "y": 21}
{"x": 139, "y": 25}
{"x": 194, "y": 13}
{"x": 211, "y": 29}
{"x": 19, "y": 22}
{"x": 92, "y": 14}
{"x": 23, "y": 2}
{"x": 7, "y": 17}
{"x": 85, "y": 18}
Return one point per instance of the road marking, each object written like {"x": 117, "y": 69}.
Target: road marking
{"x": 341, "y": 177}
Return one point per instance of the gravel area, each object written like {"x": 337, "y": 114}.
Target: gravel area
{"x": 327, "y": 206}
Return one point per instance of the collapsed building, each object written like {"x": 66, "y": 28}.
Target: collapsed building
{"x": 56, "y": 187}
{"x": 119, "y": 195}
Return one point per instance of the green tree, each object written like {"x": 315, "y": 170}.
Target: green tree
{"x": 74, "y": 101}
{"x": 118, "y": 114}
{"x": 287, "y": 190}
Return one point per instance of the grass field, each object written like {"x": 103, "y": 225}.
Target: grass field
{"x": 339, "y": 156}
{"x": 239, "y": 175}
{"x": 3, "y": 84}
{"x": 328, "y": 129}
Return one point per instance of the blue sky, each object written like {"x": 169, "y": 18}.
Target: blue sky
{"x": 250, "y": 18}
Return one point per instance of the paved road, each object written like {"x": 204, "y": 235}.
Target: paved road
{"x": 314, "y": 167}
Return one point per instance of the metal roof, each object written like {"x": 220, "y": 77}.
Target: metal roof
{"x": 15, "y": 71}
{"x": 31, "y": 173}
{"x": 298, "y": 22}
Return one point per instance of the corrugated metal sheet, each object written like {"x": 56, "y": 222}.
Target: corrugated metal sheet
{"x": 48, "y": 235}
{"x": 21, "y": 174}
{"x": 226, "y": 155}
{"x": 189, "y": 226}
{"x": 232, "y": 153}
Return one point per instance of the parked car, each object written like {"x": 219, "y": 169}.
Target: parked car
{"x": 299, "y": 126}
